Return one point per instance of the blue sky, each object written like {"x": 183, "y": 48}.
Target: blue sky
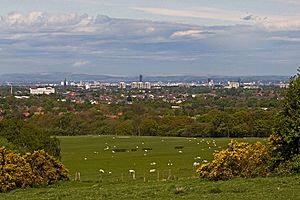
{"x": 122, "y": 37}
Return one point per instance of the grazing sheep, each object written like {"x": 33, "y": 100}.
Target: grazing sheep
{"x": 131, "y": 171}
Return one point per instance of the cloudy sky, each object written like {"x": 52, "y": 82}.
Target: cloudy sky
{"x": 129, "y": 37}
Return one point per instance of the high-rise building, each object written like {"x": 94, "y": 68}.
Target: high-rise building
{"x": 141, "y": 78}
{"x": 64, "y": 83}
{"x": 140, "y": 85}
{"x": 134, "y": 85}
{"x": 122, "y": 85}
{"x": 147, "y": 85}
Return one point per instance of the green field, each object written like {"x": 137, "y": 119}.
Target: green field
{"x": 272, "y": 188}
{"x": 89, "y": 154}
{"x": 175, "y": 156}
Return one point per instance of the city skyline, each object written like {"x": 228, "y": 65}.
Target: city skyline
{"x": 150, "y": 37}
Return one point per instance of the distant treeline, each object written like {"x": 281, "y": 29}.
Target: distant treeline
{"x": 137, "y": 121}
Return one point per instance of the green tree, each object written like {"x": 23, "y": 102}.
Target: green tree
{"x": 125, "y": 128}
{"x": 287, "y": 132}
{"x": 149, "y": 127}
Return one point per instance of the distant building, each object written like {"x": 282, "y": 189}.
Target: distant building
{"x": 147, "y": 85}
{"x": 44, "y": 90}
{"x": 122, "y": 85}
{"x": 210, "y": 82}
{"x": 284, "y": 85}
{"x": 87, "y": 86}
{"x": 134, "y": 85}
{"x": 233, "y": 84}
{"x": 140, "y": 85}
{"x": 141, "y": 78}
{"x": 64, "y": 83}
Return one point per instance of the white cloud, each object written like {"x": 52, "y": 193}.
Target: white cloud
{"x": 267, "y": 21}
{"x": 292, "y": 2}
{"x": 40, "y": 19}
{"x": 72, "y": 41}
{"x": 287, "y": 23}
{"x": 284, "y": 38}
{"x": 188, "y": 34}
{"x": 80, "y": 63}
{"x": 275, "y": 22}
{"x": 200, "y": 12}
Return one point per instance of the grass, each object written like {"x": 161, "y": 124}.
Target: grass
{"x": 273, "y": 188}
{"x": 88, "y": 154}
{"x": 117, "y": 155}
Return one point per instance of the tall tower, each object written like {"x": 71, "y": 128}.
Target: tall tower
{"x": 11, "y": 89}
{"x": 141, "y": 78}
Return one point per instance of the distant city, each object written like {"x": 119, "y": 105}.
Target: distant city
{"x": 139, "y": 81}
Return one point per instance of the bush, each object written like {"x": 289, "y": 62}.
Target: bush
{"x": 15, "y": 171}
{"x": 289, "y": 167}
{"x": 238, "y": 160}
{"x": 45, "y": 168}
{"x": 31, "y": 169}
{"x": 4, "y": 142}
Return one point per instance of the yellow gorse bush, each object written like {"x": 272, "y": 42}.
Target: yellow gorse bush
{"x": 238, "y": 160}
{"x": 31, "y": 169}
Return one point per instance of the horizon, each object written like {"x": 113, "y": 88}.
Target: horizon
{"x": 144, "y": 75}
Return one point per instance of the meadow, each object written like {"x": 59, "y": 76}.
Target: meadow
{"x": 110, "y": 158}
{"x": 104, "y": 163}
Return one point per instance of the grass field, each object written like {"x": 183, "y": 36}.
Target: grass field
{"x": 89, "y": 154}
{"x": 271, "y": 188}
{"x": 117, "y": 155}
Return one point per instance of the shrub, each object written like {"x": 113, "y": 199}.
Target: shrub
{"x": 15, "y": 171}
{"x": 238, "y": 160}
{"x": 4, "y": 142}
{"x": 21, "y": 171}
{"x": 289, "y": 167}
{"x": 45, "y": 168}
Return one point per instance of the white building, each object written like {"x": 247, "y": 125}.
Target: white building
{"x": 134, "y": 85}
{"x": 122, "y": 85}
{"x": 147, "y": 85}
{"x": 233, "y": 84}
{"x": 141, "y": 85}
{"x": 43, "y": 90}
{"x": 87, "y": 86}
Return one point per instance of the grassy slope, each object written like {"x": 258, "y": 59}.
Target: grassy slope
{"x": 272, "y": 188}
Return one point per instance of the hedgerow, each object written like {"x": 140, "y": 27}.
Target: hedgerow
{"x": 28, "y": 170}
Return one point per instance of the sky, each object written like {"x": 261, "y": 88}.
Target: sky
{"x": 166, "y": 37}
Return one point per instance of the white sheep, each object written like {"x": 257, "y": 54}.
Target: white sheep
{"x": 131, "y": 171}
